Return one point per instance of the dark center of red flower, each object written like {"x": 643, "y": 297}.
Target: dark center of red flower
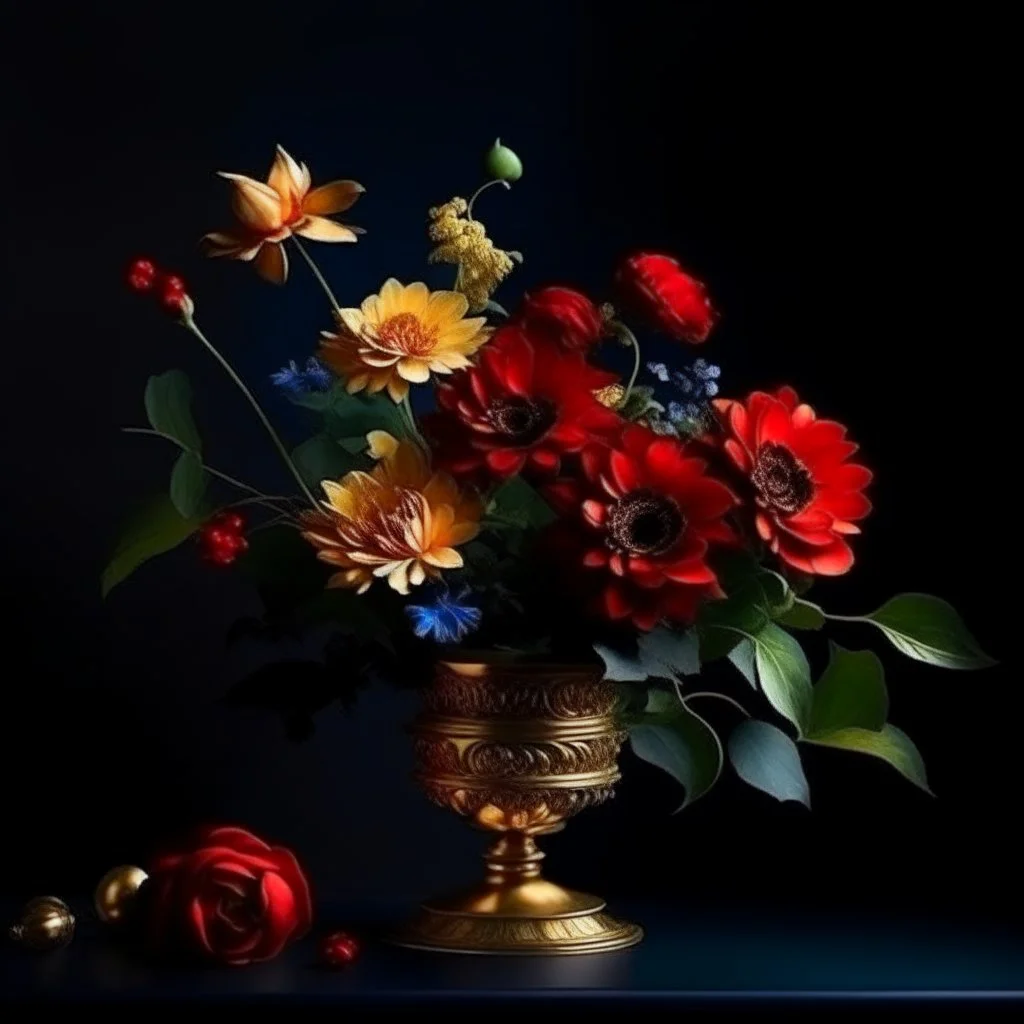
{"x": 644, "y": 523}
{"x": 522, "y": 421}
{"x": 782, "y": 481}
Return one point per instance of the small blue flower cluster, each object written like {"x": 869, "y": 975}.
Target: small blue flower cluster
{"x": 697, "y": 384}
{"x": 446, "y": 619}
{"x": 314, "y": 377}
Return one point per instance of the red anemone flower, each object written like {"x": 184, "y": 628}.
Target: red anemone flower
{"x": 562, "y": 315}
{"x": 650, "y": 512}
{"x": 806, "y": 495}
{"x": 658, "y": 289}
{"x": 524, "y": 406}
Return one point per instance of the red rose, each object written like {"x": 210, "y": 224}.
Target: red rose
{"x": 524, "y": 406}
{"x": 657, "y": 288}
{"x": 806, "y": 495}
{"x": 649, "y": 512}
{"x": 563, "y": 316}
{"x": 229, "y": 897}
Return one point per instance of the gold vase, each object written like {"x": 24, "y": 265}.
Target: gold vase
{"x": 517, "y": 748}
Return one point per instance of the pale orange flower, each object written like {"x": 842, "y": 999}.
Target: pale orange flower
{"x": 401, "y": 521}
{"x": 401, "y": 336}
{"x": 269, "y": 213}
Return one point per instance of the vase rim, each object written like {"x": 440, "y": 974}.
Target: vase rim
{"x": 527, "y": 663}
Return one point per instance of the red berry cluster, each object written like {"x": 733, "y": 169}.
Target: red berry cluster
{"x": 338, "y": 949}
{"x": 143, "y": 276}
{"x": 221, "y": 538}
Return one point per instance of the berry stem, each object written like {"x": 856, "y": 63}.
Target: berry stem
{"x": 190, "y": 323}
{"x": 718, "y": 696}
{"x": 316, "y": 273}
{"x": 259, "y": 496}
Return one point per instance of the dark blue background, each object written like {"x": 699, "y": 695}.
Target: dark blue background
{"x": 828, "y": 171}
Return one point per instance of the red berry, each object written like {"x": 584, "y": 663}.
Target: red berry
{"x": 339, "y": 949}
{"x": 141, "y": 274}
{"x": 172, "y": 283}
{"x": 233, "y": 521}
{"x": 215, "y": 536}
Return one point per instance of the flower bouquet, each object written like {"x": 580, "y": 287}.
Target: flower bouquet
{"x": 474, "y": 473}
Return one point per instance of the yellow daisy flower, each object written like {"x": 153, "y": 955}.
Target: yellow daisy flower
{"x": 401, "y": 336}
{"x": 400, "y": 521}
{"x": 285, "y": 205}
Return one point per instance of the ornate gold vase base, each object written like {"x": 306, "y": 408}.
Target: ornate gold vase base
{"x": 517, "y": 747}
{"x": 516, "y": 912}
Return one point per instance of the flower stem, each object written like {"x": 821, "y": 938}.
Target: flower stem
{"x": 718, "y": 696}
{"x": 259, "y": 496}
{"x": 420, "y": 439}
{"x": 483, "y": 188}
{"x": 316, "y": 273}
{"x": 190, "y": 323}
{"x": 630, "y": 339}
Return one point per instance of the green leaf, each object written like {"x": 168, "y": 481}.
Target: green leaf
{"x": 889, "y": 743}
{"x": 168, "y": 406}
{"x": 802, "y": 615}
{"x": 850, "y": 694}
{"x": 742, "y": 656}
{"x": 784, "y": 674}
{"x": 666, "y": 653}
{"x": 517, "y": 501}
{"x": 620, "y": 667}
{"x": 320, "y": 458}
{"x": 188, "y": 484}
{"x": 158, "y": 528}
{"x": 495, "y": 307}
{"x": 767, "y": 759}
{"x": 347, "y": 417}
{"x": 669, "y": 735}
{"x": 928, "y": 629}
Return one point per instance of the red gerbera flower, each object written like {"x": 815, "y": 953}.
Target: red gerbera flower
{"x": 657, "y": 288}
{"x": 806, "y": 494}
{"x": 525, "y": 405}
{"x": 650, "y": 513}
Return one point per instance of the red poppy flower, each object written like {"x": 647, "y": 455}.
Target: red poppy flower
{"x": 562, "y": 315}
{"x": 657, "y": 288}
{"x": 806, "y": 495}
{"x": 524, "y": 406}
{"x": 650, "y": 514}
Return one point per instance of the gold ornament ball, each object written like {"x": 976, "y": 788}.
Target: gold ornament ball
{"x": 44, "y": 923}
{"x": 116, "y": 892}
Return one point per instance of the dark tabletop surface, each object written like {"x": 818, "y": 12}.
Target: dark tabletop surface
{"x": 687, "y": 957}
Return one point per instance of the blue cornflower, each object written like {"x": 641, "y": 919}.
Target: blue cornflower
{"x": 660, "y": 370}
{"x": 318, "y": 377}
{"x": 446, "y": 620}
{"x": 314, "y": 377}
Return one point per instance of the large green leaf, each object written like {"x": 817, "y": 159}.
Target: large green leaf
{"x": 928, "y": 629}
{"x": 669, "y": 735}
{"x": 169, "y": 408}
{"x": 158, "y": 528}
{"x": 321, "y": 458}
{"x": 188, "y": 484}
{"x": 767, "y": 759}
{"x": 350, "y": 417}
{"x": 802, "y": 615}
{"x": 889, "y": 743}
{"x": 742, "y": 656}
{"x": 667, "y": 653}
{"x": 850, "y": 694}
{"x": 519, "y": 503}
{"x": 621, "y": 666}
{"x": 784, "y": 674}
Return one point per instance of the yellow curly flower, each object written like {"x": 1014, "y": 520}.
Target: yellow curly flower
{"x": 401, "y": 336}
{"x": 464, "y": 243}
{"x": 400, "y": 521}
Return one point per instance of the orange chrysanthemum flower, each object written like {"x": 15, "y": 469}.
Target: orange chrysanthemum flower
{"x": 401, "y": 521}
{"x": 401, "y": 336}
{"x": 269, "y": 213}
